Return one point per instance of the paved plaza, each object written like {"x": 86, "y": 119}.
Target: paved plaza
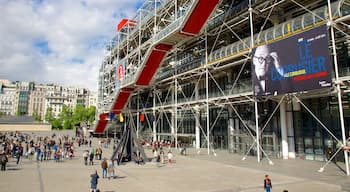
{"x": 194, "y": 173}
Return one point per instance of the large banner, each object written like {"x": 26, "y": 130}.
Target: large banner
{"x": 121, "y": 71}
{"x": 298, "y": 63}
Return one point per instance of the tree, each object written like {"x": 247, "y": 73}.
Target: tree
{"x": 65, "y": 117}
{"x": 19, "y": 112}
{"x": 56, "y": 124}
{"x": 79, "y": 114}
{"x": 84, "y": 115}
{"x": 49, "y": 115}
{"x": 91, "y": 111}
{"x": 68, "y": 124}
{"x": 68, "y": 119}
{"x": 36, "y": 116}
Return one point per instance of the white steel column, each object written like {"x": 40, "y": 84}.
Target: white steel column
{"x": 207, "y": 88}
{"x": 257, "y": 130}
{"x": 154, "y": 117}
{"x": 255, "y": 102}
{"x": 173, "y": 116}
{"x": 161, "y": 124}
{"x": 237, "y": 144}
{"x": 197, "y": 116}
{"x": 137, "y": 118}
{"x": 175, "y": 14}
{"x": 230, "y": 131}
{"x": 198, "y": 131}
{"x": 230, "y": 127}
{"x": 175, "y": 111}
{"x": 284, "y": 134}
{"x": 341, "y": 114}
{"x": 155, "y": 19}
{"x": 290, "y": 130}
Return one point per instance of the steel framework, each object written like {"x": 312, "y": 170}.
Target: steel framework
{"x": 203, "y": 70}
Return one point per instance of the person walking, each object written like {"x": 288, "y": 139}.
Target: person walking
{"x": 92, "y": 154}
{"x": 104, "y": 166}
{"x": 93, "y": 181}
{"x": 18, "y": 153}
{"x": 170, "y": 157}
{"x": 3, "y": 161}
{"x": 85, "y": 156}
{"x": 161, "y": 153}
{"x": 111, "y": 172}
{"x": 99, "y": 153}
{"x": 267, "y": 183}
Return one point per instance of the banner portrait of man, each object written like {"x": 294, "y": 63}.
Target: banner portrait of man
{"x": 298, "y": 63}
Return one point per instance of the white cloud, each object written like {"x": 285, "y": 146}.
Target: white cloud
{"x": 70, "y": 29}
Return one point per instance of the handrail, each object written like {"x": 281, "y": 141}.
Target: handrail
{"x": 293, "y": 26}
{"x": 167, "y": 31}
{"x": 285, "y": 29}
{"x": 144, "y": 20}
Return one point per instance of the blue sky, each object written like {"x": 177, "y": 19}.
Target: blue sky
{"x": 50, "y": 41}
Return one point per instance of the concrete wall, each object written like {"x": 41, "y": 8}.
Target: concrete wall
{"x": 25, "y": 127}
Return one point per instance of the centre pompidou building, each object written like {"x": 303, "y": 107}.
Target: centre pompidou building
{"x": 186, "y": 72}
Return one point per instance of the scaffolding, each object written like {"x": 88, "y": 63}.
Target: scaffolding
{"x": 203, "y": 83}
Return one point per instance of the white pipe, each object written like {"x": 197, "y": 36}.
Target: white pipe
{"x": 207, "y": 90}
{"x": 341, "y": 114}
{"x": 175, "y": 111}
{"x": 255, "y": 102}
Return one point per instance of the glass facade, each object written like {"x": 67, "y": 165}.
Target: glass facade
{"x": 207, "y": 83}
{"x": 312, "y": 140}
{"x": 23, "y": 101}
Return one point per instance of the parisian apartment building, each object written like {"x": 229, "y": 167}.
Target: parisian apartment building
{"x": 30, "y": 98}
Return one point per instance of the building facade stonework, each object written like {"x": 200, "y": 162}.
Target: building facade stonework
{"x": 31, "y": 99}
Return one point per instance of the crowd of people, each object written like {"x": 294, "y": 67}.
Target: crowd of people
{"x": 159, "y": 154}
{"x": 19, "y": 145}
{"x": 57, "y": 148}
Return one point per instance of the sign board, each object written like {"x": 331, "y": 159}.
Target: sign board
{"x": 121, "y": 72}
{"x": 298, "y": 63}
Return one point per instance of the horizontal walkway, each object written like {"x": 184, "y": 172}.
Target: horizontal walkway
{"x": 198, "y": 173}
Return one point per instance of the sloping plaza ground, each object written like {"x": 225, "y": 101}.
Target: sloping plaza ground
{"x": 194, "y": 173}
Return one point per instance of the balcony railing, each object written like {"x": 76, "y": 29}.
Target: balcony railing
{"x": 285, "y": 29}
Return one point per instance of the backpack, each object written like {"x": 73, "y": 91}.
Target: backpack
{"x": 3, "y": 159}
{"x": 104, "y": 165}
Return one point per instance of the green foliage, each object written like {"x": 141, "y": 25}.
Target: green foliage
{"x": 82, "y": 114}
{"x": 66, "y": 113}
{"x": 91, "y": 111}
{"x": 79, "y": 114}
{"x": 18, "y": 113}
{"x": 36, "y": 116}
{"x": 68, "y": 124}
{"x": 49, "y": 115}
{"x": 68, "y": 118}
{"x": 56, "y": 124}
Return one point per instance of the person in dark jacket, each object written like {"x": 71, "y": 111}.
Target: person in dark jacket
{"x": 267, "y": 183}
{"x": 94, "y": 180}
{"x": 3, "y": 161}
